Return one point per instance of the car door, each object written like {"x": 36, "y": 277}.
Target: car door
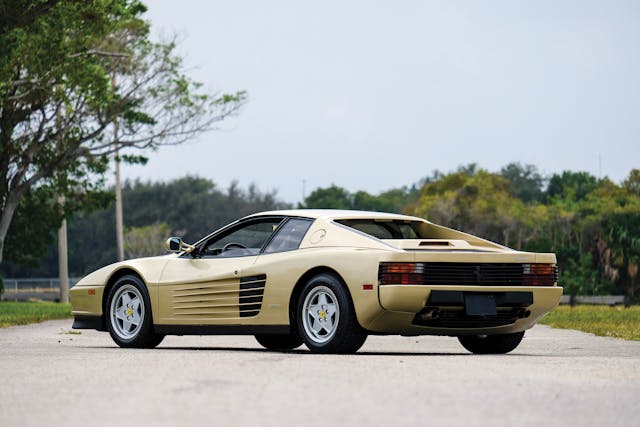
{"x": 212, "y": 287}
{"x": 281, "y": 261}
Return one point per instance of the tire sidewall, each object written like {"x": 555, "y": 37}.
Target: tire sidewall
{"x": 141, "y": 338}
{"x": 492, "y": 344}
{"x": 279, "y": 342}
{"x": 346, "y": 312}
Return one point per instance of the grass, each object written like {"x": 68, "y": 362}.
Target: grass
{"x": 605, "y": 321}
{"x": 22, "y": 313}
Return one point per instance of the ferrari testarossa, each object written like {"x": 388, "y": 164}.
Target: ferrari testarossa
{"x": 325, "y": 278}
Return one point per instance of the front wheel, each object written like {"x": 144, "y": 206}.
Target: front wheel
{"x": 326, "y": 317}
{"x": 129, "y": 319}
{"x": 491, "y": 344}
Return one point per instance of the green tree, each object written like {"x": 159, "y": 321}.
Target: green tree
{"x": 574, "y": 185}
{"x": 81, "y": 81}
{"x": 145, "y": 241}
{"x": 632, "y": 183}
{"x": 624, "y": 240}
{"x": 478, "y": 202}
{"x": 395, "y": 200}
{"x": 592, "y": 225}
{"x": 37, "y": 219}
{"x": 526, "y": 182}
{"x": 619, "y": 233}
{"x": 333, "y": 197}
{"x": 20, "y": 13}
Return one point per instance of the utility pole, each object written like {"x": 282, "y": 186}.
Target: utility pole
{"x": 63, "y": 265}
{"x": 118, "y": 189}
{"x": 63, "y": 261}
{"x": 119, "y": 222}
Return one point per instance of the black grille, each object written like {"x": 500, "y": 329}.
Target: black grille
{"x": 473, "y": 274}
{"x": 251, "y": 292}
{"x": 458, "y": 319}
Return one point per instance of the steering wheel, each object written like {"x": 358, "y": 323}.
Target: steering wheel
{"x": 233, "y": 245}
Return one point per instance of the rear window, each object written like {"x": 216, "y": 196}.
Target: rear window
{"x": 388, "y": 230}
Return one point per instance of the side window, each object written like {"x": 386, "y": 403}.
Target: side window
{"x": 289, "y": 236}
{"x": 245, "y": 239}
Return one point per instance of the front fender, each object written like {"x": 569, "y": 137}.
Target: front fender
{"x": 87, "y": 296}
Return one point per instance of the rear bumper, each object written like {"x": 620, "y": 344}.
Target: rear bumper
{"x": 440, "y": 310}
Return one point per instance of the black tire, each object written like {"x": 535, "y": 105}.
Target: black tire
{"x": 128, "y": 314}
{"x": 345, "y": 334}
{"x": 491, "y": 344}
{"x": 279, "y": 342}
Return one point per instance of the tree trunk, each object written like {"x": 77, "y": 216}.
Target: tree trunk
{"x": 632, "y": 270}
{"x": 9, "y": 208}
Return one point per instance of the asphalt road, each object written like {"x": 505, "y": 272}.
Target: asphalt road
{"x": 49, "y": 377}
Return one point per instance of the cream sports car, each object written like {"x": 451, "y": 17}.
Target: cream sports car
{"x": 326, "y": 279}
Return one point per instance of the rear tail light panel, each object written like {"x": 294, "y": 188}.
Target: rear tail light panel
{"x": 479, "y": 274}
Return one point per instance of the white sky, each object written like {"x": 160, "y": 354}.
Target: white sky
{"x": 372, "y": 95}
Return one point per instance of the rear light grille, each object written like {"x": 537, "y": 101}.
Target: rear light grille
{"x": 471, "y": 274}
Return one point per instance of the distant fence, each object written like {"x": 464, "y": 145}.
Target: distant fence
{"x": 595, "y": 300}
{"x": 41, "y": 288}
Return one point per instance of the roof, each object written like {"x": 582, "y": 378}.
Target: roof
{"x": 331, "y": 214}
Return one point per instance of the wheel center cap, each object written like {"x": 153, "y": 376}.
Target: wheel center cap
{"x": 323, "y": 314}
{"x": 128, "y": 311}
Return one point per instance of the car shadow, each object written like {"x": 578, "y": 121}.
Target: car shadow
{"x": 309, "y": 353}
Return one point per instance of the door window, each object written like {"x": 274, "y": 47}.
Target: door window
{"x": 242, "y": 240}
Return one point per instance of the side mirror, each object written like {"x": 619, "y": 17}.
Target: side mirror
{"x": 174, "y": 244}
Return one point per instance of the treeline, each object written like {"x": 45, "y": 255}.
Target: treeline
{"x": 592, "y": 224}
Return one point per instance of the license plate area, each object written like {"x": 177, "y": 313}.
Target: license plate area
{"x": 480, "y": 304}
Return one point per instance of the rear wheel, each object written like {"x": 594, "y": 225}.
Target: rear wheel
{"x": 279, "y": 342}
{"x": 129, "y": 319}
{"x": 326, "y": 317}
{"x": 491, "y": 344}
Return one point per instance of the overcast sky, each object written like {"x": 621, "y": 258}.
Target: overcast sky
{"x": 372, "y": 95}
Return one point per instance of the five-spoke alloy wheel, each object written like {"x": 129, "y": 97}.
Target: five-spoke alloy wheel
{"x": 320, "y": 314}
{"x": 326, "y": 318}
{"x": 128, "y": 312}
